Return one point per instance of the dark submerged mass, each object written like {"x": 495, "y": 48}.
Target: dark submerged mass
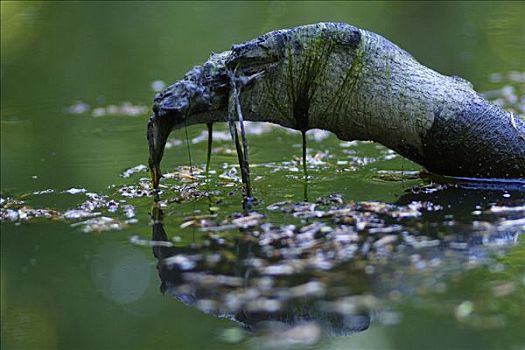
{"x": 482, "y": 142}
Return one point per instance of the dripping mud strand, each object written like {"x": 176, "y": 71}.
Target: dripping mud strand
{"x": 241, "y": 153}
{"x": 208, "y": 156}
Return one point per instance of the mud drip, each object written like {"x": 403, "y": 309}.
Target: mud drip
{"x": 305, "y": 171}
{"x": 189, "y": 149}
{"x": 208, "y": 157}
{"x": 234, "y": 107}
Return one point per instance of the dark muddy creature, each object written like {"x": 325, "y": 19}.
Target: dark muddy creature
{"x": 351, "y": 82}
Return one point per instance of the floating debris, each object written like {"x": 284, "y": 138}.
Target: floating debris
{"x": 317, "y": 159}
{"x": 158, "y": 85}
{"x": 517, "y": 223}
{"x": 507, "y": 209}
{"x": 185, "y": 173}
{"x": 231, "y": 174}
{"x": 252, "y": 128}
{"x": 123, "y": 109}
{"x": 513, "y": 76}
{"x": 144, "y": 242}
{"x": 96, "y": 201}
{"x": 99, "y": 224}
{"x": 78, "y": 107}
{"x": 464, "y": 309}
{"x": 318, "y": 135}
{"x": 75, "y": 190}
{"x": 143, "y": 189}
{"x": 47, "y": 191}
{"x": 173, "y": 143}
{"x": 26, "y": 214}
{"x": 510, "y": 94}
{"x": 136, "y": 169}
{"x": 75, "y": 214}
{"x": 396, "y": 175}
{"x": 388, "y": 239}
{"x": 186, "y": 192}
{"x": 250, "y": 220}
{"x": 129, "y": 211}
{"x": 93, "y": 207}
{"x": 8, "y": 202}
{"x": 218, "y": 136}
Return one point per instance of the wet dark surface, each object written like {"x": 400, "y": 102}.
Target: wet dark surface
{"x": 379, "y": 258}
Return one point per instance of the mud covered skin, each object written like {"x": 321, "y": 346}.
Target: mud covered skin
{"x": 359, "y": 86}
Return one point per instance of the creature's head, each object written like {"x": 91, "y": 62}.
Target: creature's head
{"x": 167, "y": 115}
{"x": 156, "y": 143}
{"x": 200, "y": 97}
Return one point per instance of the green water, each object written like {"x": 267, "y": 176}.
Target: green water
{"x": 65, "y": 288}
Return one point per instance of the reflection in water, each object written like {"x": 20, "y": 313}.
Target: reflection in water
{"x": 343, "y": 265}
{"x": 221, "y": 280}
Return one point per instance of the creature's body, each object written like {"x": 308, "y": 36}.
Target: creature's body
{"x": 355, "y": 84}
